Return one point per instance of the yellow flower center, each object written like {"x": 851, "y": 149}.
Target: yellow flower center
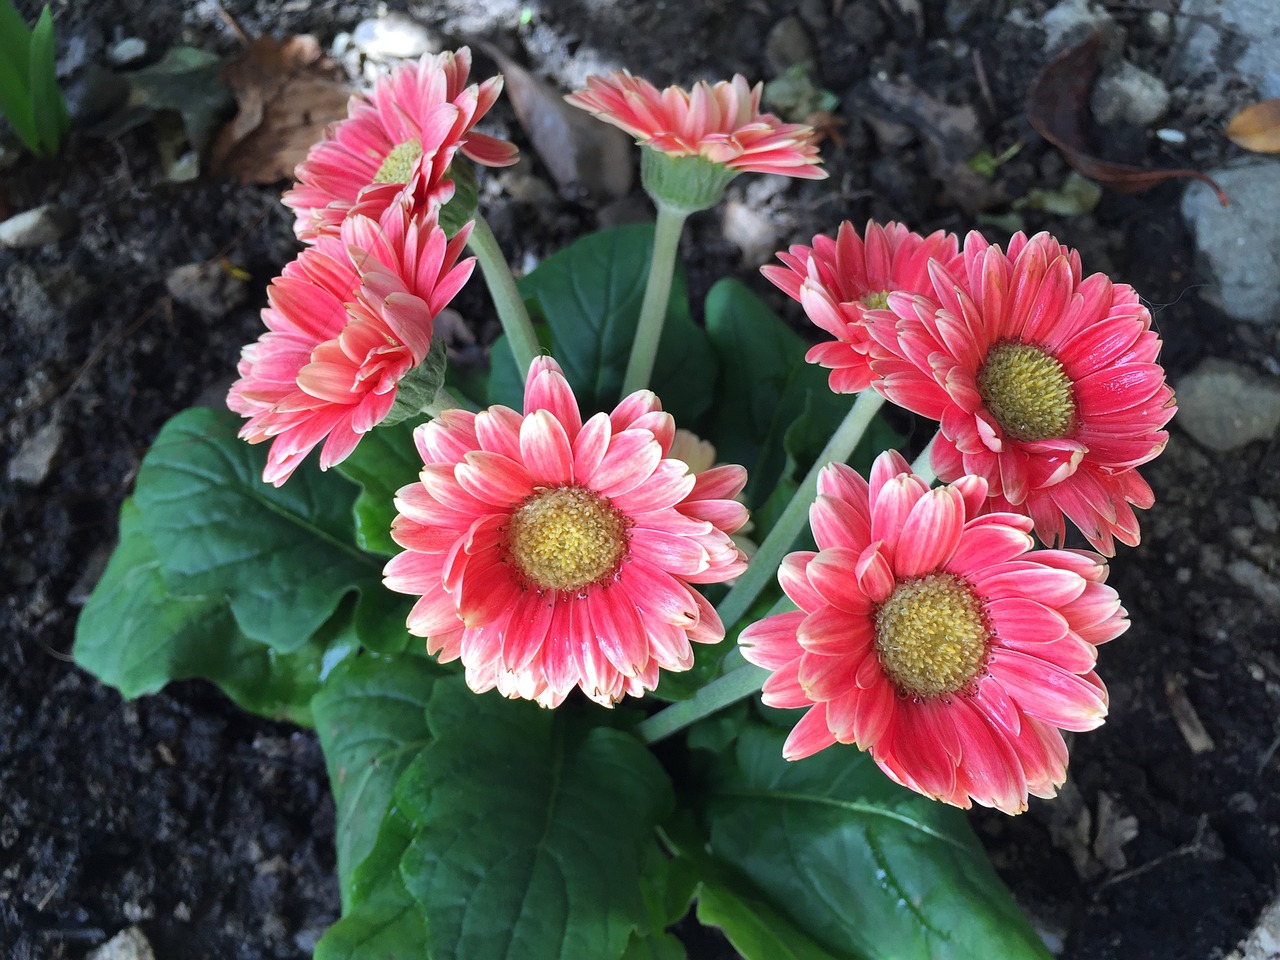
{"x": 1028, "y": 392}
{"x": 566, "y": 538}
{"x": 399, "y": 162}
{"x": 931, "y": 636}
{"x": 876, "y": 301}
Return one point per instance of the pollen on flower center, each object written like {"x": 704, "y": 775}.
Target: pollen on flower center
{"x": 879, "y": 300}
{"x": 565, "y": 538}
{"x": 1027, "y": 391}
{"x": 931, "y": 636}
{"x": 399, "y": 162}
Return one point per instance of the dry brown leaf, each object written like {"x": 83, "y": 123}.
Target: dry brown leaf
{"x": 1056, "y": 107}
{"x": 1257, "y": 128}
{"x": 287, "y": 93}
{"x": 580, "y": 152}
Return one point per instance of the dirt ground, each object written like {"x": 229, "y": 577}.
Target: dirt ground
{"x": 212, "y": 830}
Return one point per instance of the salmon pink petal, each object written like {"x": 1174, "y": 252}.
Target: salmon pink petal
{"x": 1049, "y": 693}
{"x": 809, "y": 736}
{"x": 545, "y": 449}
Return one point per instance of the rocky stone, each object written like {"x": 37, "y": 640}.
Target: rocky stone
{"x": 1240, "y": 243}
{"x": 207, "y": 288}
{"x": 30, "y": 465}
{"x": 130, "y": 944}
{"x": 127, "y": 51}
{"x": 1256, "y": 580}
{"x": 1225, "y": 406}
{"x": 34, "y": 228}
{"x": 788, "y": 44}
{"x": 1238, "y": 38}
{"x": 751, "y": 230}
{"x": 1129, "y": 94}
{"x": 1070, "y": 21}
{"x": 393, "y": 37}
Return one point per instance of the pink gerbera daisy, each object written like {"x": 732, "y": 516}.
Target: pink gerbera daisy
{"x": 346, "y": 321}
{"x": 936, "y": 640}
{"x": 839, "y": 281}
{"x": 407, "y": 130}
{"x": 551, "y": 553}
{"x": 720, "y": 123}
{"x": 1044, "y": 384}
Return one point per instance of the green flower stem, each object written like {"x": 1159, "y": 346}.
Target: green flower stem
{"x": 764, "y": 565}
{"x": 506, "y": 298}
{"x": 653, "y": 311}
{"x": 737, "y": 684}
{"x": 922, "y": 466}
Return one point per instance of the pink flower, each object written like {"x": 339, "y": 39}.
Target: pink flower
{"x": 1045, "y": 385}
{"x": 345, "y": 323}
{"x": 721, "y": 123}
{"x": 838, "y": 282}
{"x": 551, "y": 553}
{"x": 935, "y": 640}
{"x": 406, "y": 132}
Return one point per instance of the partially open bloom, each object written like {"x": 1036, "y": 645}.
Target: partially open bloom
{"x": 1044, "y": 384}
{"x": 936, "y": 640}
{"x": 839, "y": 281}
{"x": 409, "y": 129}
{"x": 549, "y": 553}
{"x": 346, "y": 322}
{"x": 719, "y": 124}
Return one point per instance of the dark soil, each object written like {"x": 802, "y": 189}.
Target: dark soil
{"x": 212, "y": 830}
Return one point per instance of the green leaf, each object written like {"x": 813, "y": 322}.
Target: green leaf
{"x": 283, "y": 557}
{"x": 385, "y": 461}
{"x": 590, "y": 294}
{"x": 371, "y": 719}
{"x": 754, "y": 927}
{"x": 185, "y": 81}
{"x": 382, "y": 922}
{"x": 136, "y": 636}
{"x": 667, "y": 885}
{"x": 48, "y": 108}
{"x": 865, "y": 867}
{"x": 530, "y": 828}
{"x": 766, "y": 386}
{"x": 15, "y": 75}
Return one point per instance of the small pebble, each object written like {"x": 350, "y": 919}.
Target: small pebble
{"x": 34, "y": 228}
{"x": 127, "y": 51}
{"x": 393, "y": 37}
{"x": 30, "y": 465}
{"x": 128, "y": 944}
{"x": 1171, "y": 136}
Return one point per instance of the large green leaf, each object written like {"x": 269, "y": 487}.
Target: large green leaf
{"x": 590, "y": 295}
{"x": 283, "y": 557}
{"x": 765, "y": 386}
{"x": 530, "y": 830}
{"x": 136, "y": 636}
{"x": 385, "y": 461}
{"x": 372, "y": 721}
{"x": 866, "y": 868}
{"x": 15, "y": 75}
{"x": 382, "y": 921}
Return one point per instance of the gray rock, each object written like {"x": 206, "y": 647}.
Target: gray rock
{"x": 128, "y": 944}
{"x": 393, "y": 37}
{"x": 1225, "y": 406}
{"x": 30, "y": 465}
{"x": 788, "y": 44}
{"x": 127, "y": 51}
{"x": 1129, "y": 94}
{"x": 1240, "y": 244}
{"x": 1230, "y": 37}
{"x": 207, "y": 288}
{"x": 1070, "y": 21}
{"x": 1256, "y": 580}
{"x": 34, "y": 228}
{"x": 754, "y": 233}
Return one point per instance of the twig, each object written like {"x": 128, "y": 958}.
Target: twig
{"x": 1194, "y": 845}
{"x": 980, "y": 72}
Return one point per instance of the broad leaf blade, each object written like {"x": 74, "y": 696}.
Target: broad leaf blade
{"x": 530, "y": 829}
{"x": 385, "y": 461}
{"x": 15, "y": 74}
{"x": 372, "y": 722}
{"x": 136, "y": 636}
{"x": 590, "y": 294}
{"x": 283, "y": 557}
{"x": 382, "y": 922}
{"x": 865, "y": 867}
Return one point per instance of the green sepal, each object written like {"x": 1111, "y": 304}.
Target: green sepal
{"x": 417, "y": 390}
{"x": 683, "y": 184}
